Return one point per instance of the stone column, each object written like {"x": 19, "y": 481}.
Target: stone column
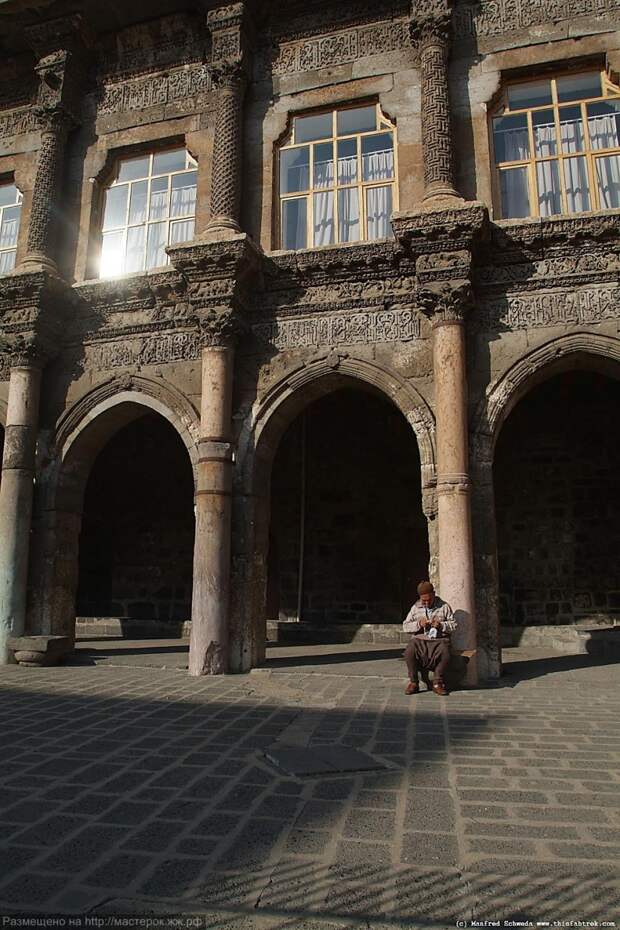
{"x": 44, "y": 208}
{"x": 430, "y": 32}
{"x": 448, "y": 305}
{"x": 16, "y": 490}
{"x": 229, "y": 31}
{"x": 208, "y": 651}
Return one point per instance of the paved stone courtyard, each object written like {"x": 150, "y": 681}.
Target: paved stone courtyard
{"x": 139, "y": 790}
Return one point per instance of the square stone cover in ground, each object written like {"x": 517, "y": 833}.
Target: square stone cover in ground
{"x": 321, "y": 760}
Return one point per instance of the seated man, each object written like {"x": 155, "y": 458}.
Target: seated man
{"x": 431, "y": 621}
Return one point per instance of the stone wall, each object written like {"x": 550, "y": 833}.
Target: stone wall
{"x": 138, "y": 529}
{"x": 366, "y": 543}
{"x": 557, "y": 480}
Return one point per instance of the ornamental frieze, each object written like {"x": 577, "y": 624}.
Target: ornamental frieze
{"x": 18, "y": 121}
{"x": 590, "y": 267}
{"x": 335, "y": 49}
{"x": 366, "y": 327}
{"x": 339, "y": 295}
{"x": 153, "y": 46}
{"x": 498, "y": 17}
{"x": 150, "y": 350}
{"x": 554, "y": 308}
{"x": 186, "y": 86}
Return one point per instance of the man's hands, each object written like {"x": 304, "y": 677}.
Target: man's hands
{"x": 436, "y": 624}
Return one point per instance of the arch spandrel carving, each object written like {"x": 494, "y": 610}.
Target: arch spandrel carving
{"x": 576, "y": 350}
{"x": 301, "y": 385}
{"x": 73, "y": 444}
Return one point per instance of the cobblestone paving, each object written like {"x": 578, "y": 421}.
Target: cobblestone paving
{"x": 140, "y": 790}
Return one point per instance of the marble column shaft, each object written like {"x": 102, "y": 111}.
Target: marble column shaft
{"x": 212, "y": 545}
{"x": 16, "y": 492}
{"x": 456, "y": 571}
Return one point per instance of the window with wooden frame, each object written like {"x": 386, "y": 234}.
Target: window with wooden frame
{"x": 337, "y": 172}
{"x": 10, "y": 214}
{"x": 151, "y": 203}
{"x": 556, "y": 144}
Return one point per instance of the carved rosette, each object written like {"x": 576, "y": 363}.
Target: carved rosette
{"x": 229, "y": 31}
{"x": 430, "y": 34}
{"x": 447, "y": 303}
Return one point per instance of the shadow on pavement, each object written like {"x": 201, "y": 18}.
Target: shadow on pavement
{"x": 127, "y": 792}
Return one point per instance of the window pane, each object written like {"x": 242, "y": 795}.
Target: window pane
{"x": 571, "y": 129}
{"x": 309, "y": 128}
{"x": 576, "y": 183}
{"x": 155, "y": 246}
{"x": 115, "y": 213}
{"x": 543, "y": 125}
{"x": 324, "y": 164}
{"x": 532, "y": 94}
{"x": 349, "y": 215}
{"x": 294, "y": 170}
{"x": 549, "y": 191}
{"x": 164, "y": 162}
{"x": 347, "y": 161}
{"x": 294, "y": 223}
{"x": 182, "y": 231}
{"x": 132, "y": 168}
{"x": 579, "y": 86}
{"x": 608, "y": 177}
{"x": 183, "y": 201}
{"x": 604, "y": 124}
{"x": 378, "y": 157}
{"x": 514, "y": 193}
{"x": 378, "y": 210}
{"x": 510, "y": 138}
{"x": 8, "y": 194}
{"x": 112, "y": 258}
{"x": 7, "y": 262}
{"x": 360, "y": 119}
{"x": 137, "y": 202}
{"x": 158, "y": 209}
{"x": 324, "y": 218}
{"x": 10, "y": 227}
{"x": 134, "y": 253}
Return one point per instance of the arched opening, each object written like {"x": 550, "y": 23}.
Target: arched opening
{"x": 137, "y": 531}
{"x": 348, "y": 539}
{"x": 557, "y": 500}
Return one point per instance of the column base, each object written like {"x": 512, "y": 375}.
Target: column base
{"x": 440, "y": 194}
{"x": 38, "y": 262}
{"x": 36, "y": 651}
{"x": 221, "y": 225}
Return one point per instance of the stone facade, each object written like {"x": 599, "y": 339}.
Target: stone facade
{"x": 453, "y": 320}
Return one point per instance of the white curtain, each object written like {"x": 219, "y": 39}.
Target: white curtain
{"x": 183, "y": 202}
{"x": 549, "y": 191}
{"x": 324, "y": 173}
{"x": 7, "y": 262}
{"x": 155, "y": 246}
{"x": 182, "y": 231}
{"x": 378, "y": 166}
{"x": 9, "y": 228}
{"x": 514, "y": 190}
{"x": 378, "y": 210}
{"x": 324, "y": 218}
{"x": 604, "y": 134}
{"x": 159, "y": 204}
{"x": 516, "y": 146}
{"x": 349, "y": 215}
{"x": 571, "y": 135}
{"x": 134, "y": 253}
{"x": 347, "y": 169}
{"x": 576, "y": 182}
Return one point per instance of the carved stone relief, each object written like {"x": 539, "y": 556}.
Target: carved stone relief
{"x": 186, "y": 86}
{"x": 496, "y": 17}
{"x": 150, "y": 350}
{"x": 576, "y": 307}
{"x": 366, "y": 327}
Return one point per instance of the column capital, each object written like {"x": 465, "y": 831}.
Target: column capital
{"x": 446, "y": 303}
{"x": 33, "y": 310}
{"x": 60, "y": 46}
{"x": 232, "y": 32}
{"x": 430, "y": 25}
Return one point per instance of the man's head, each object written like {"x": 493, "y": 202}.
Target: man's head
{"x": 426, "y": 593}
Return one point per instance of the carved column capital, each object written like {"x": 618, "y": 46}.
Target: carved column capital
{"x": 448, "y": 302}
{"x": 220, "y": 327}
{"x": 430, "y": 26}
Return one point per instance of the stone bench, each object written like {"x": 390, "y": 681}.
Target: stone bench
{"x": 40, "y": 650}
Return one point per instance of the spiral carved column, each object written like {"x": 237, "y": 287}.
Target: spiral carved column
{"x": 226, "y": 177}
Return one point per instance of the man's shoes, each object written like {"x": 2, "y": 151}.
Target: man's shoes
{"x": 412, "y": 688}
{"x": 439, "y": 687}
